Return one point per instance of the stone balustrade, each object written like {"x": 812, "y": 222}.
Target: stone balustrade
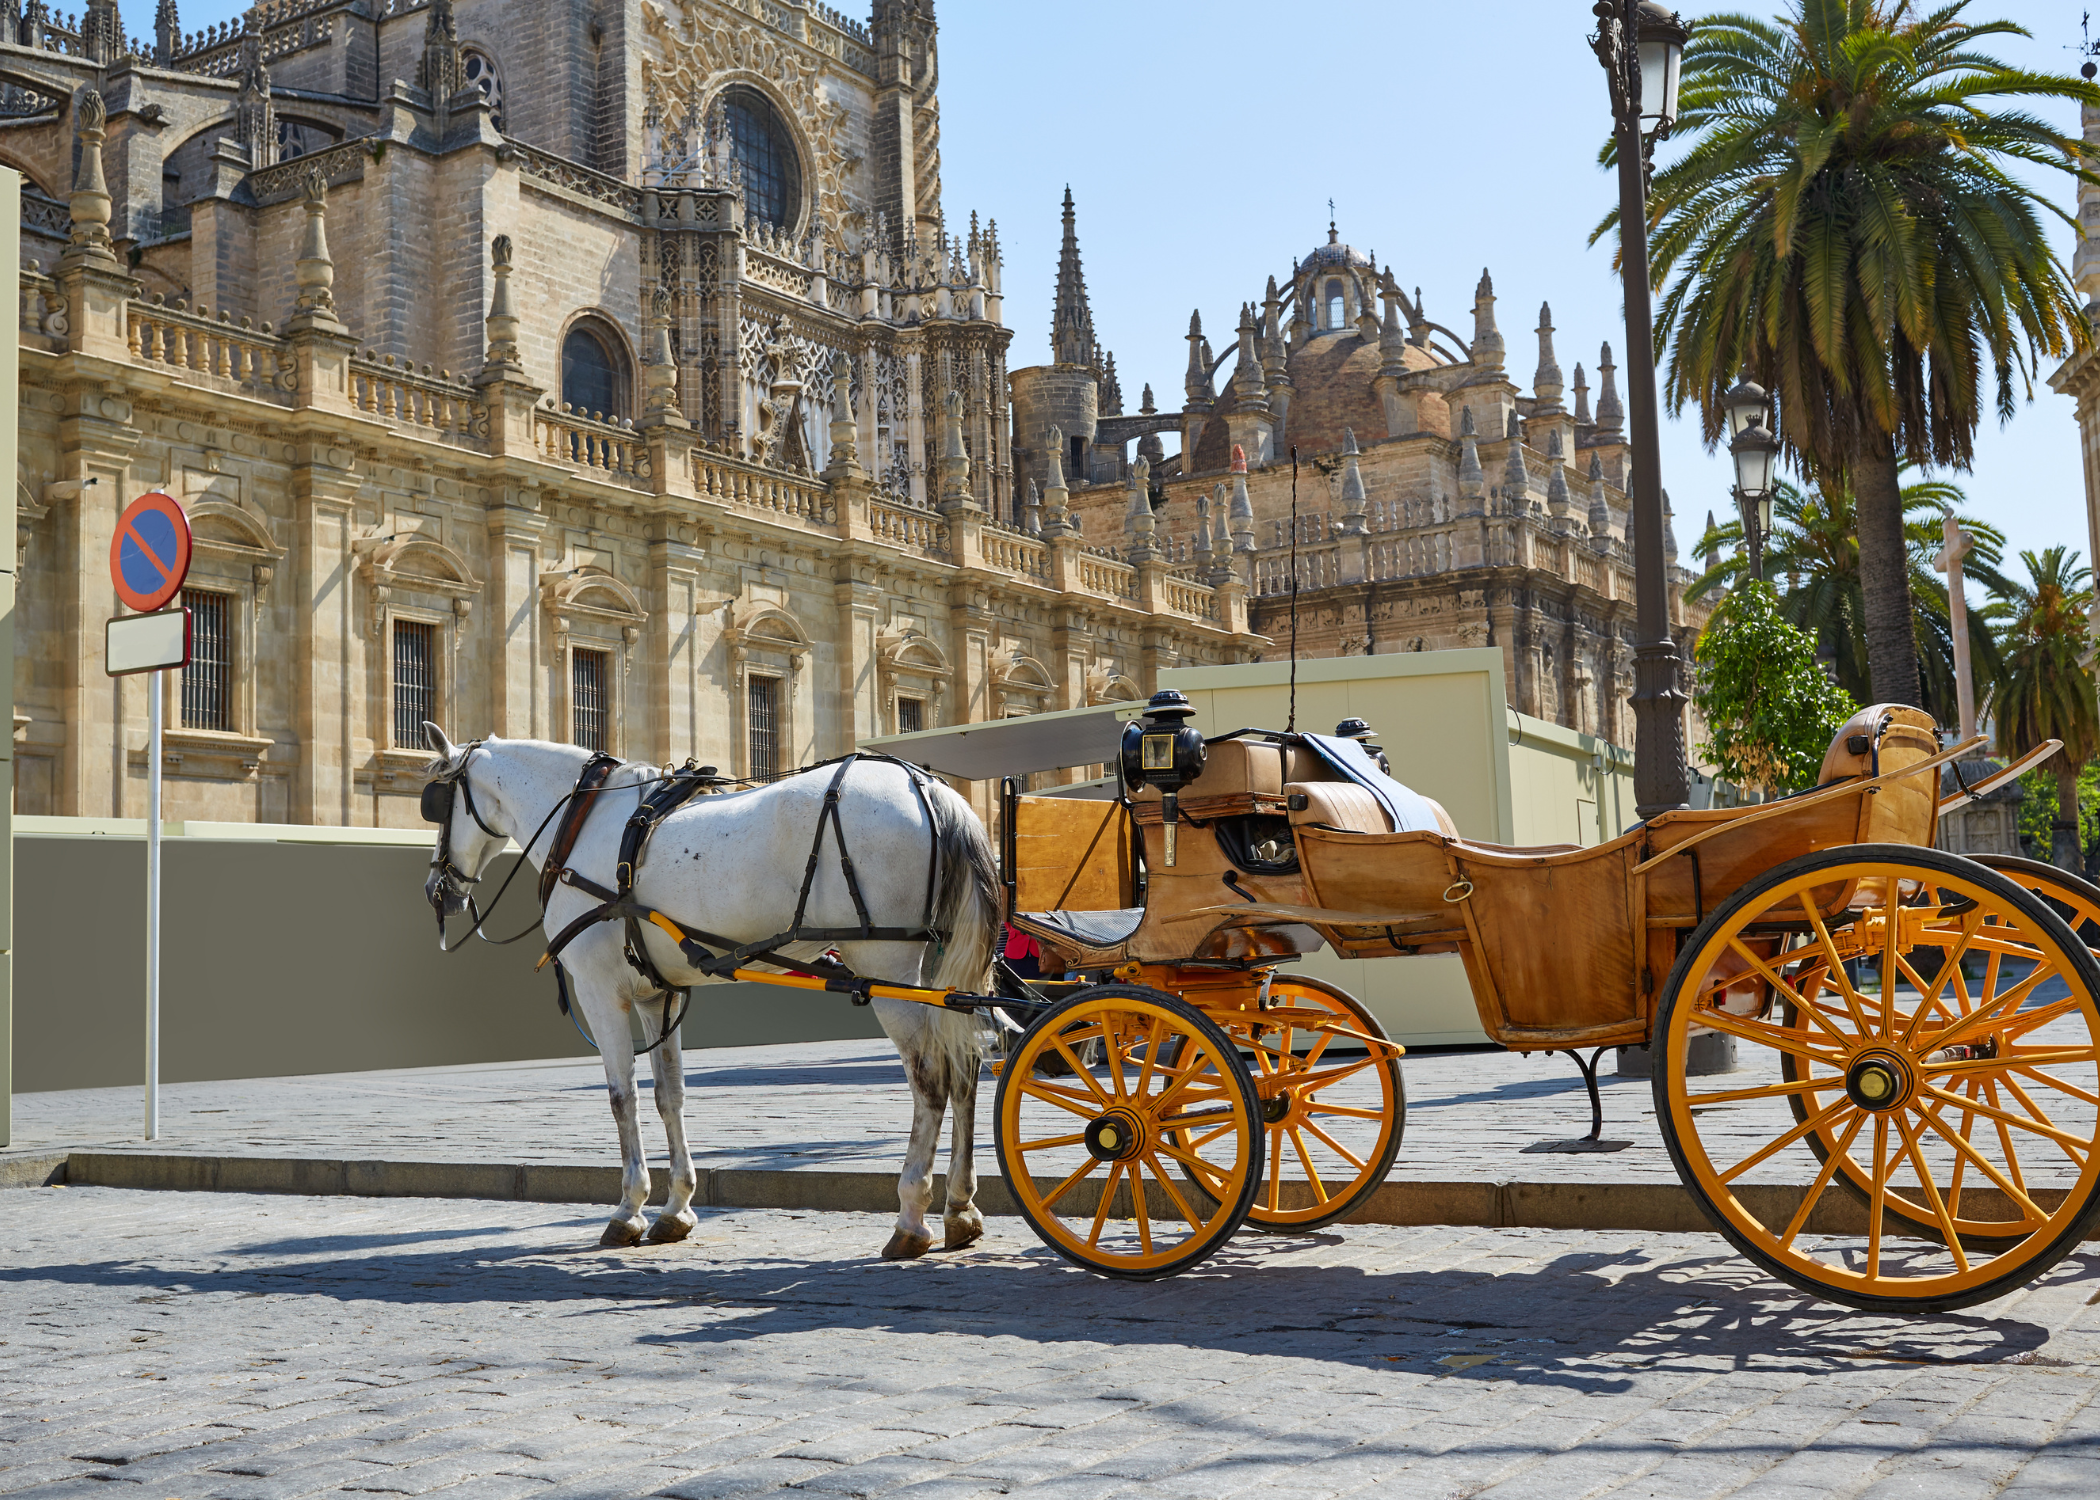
{"x": 1099, "y": 573}
{"x": 766, "y": 491}
{"x": 196, "y": 350}
{"x": 1006, "y": 549}
{"x": 436, "y": 405}
{"x": 909, "y": 529}
{"x": 602, "y": 450}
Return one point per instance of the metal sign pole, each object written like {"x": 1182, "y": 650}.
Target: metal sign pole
{"x": 153, "y": 759}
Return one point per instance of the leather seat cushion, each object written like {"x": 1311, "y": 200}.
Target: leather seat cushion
{"x": 1090, "y": 929}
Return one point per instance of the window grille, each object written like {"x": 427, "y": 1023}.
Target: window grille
{"x": 207, "y": 682}
{"x": 1334, "y": 304}
{"x": 911, "y": 715}
{"x": 763, "y": 696}
{"x": 415, "y": 681}
{"x": 589, "y": 710}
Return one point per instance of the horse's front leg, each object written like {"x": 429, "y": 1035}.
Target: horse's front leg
{"x": 616, "y": 1048}
{"x": 677, "y": 1219}
{"x": 962, "y": 1222}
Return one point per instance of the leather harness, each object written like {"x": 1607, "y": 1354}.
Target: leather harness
{"x": 710, "y": 953}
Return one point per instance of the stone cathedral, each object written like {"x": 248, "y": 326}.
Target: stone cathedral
{"x": 611, "y": 371}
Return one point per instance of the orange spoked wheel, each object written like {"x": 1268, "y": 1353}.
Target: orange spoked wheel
{"x": 1915, "y": 1027}
{"x": 1095, "y": 1156}
{"x": 1332, "y": 1102}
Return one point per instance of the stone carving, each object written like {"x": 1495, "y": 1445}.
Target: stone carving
{"x": 685, "y": 53}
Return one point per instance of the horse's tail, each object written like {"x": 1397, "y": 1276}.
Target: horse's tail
{"x": 966, "y": 907}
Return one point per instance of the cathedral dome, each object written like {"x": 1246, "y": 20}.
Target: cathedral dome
{"x": 1335, "y": 253}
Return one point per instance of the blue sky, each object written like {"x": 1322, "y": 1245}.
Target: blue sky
{"x": 1203, "y": 138}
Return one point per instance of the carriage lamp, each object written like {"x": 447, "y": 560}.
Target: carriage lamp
{"x": 1164, "y": 752}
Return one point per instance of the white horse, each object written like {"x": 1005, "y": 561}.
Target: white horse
{"x": 733, "y": 865}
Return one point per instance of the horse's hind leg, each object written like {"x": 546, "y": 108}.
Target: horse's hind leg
{"x": 678, "y": 1219}
{"x": 915, "y": 1183}
{"x": 962, "y": 1223}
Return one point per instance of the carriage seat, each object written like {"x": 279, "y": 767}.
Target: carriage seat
{"x": 1087, "y": 929}
{"x": 1345, "y": 807}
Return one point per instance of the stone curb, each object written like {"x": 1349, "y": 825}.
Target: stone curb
{"x": 1653, "y": 1207}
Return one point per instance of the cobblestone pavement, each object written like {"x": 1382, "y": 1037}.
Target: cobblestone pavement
{"x": 1472, "y": 1116}
{"x": 187, "y": 1345}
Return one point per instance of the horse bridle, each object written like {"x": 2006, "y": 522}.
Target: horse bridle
{"x": 439, "y": 797}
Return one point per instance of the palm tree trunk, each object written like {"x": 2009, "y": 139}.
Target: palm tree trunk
{"x": 1884, "y": 581}
{"x": 2064, "y": 852}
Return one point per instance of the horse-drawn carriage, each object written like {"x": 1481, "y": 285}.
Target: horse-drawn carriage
{"x": 1918, "y": 1030}
{"x": 1916, "y": 1126}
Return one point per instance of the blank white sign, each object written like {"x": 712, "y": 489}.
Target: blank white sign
{"x": 148, "y": 643}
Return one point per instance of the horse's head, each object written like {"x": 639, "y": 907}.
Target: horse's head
{"x": 465, "y": 841}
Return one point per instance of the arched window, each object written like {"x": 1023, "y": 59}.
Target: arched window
{"x": 766, "y": 152}
{"x": 591, "y": 375}
{"x": 479, "y": 69}
{"x": 1334, "y": 304}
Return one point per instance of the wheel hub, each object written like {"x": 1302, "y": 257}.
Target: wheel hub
{"x": 1115, "y": 1136}
{"x": 1880, "y": 1081}
{"x": 1276, "y": 1109}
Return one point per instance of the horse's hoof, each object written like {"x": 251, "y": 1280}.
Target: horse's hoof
{"x": 669, "y": 1229}
{"x": 619, "y": 1234}
{"x": 904, "y": 1246}
{"x": 962, "y": 1234}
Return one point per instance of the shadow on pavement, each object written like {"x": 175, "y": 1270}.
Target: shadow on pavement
{"x": 1588, "y": 1320}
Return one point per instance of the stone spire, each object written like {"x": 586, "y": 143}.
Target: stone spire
{"x": 1516, "y": 478}
{"x": 254, "y": 116}
{"x": 167, "y": 33}
{"x": 1611, "y": 416}
{"x": 1472, "y": 480}
{"x": 316, "y": 267}
{"x": 101, "y": 32}
{"x": 1203, "y": 527}
{"x": 660, "y": 376}
{"x": 1111, "y": 387}
{"x": 1556, "y": 480}
{"x": 955, "y": 493}
{"x": 89, "y": 207}
{"x": 1354, "y": 501}
{"x": 1072, "y": 319}
{"x": 502, "y": 321}
{"x": 1600, "y": 511}
{"x": 1392, "y": 339}
{"x": 1242, "y": 514}
{"x": 1138, "y": 521}
{"x": 1056, "y": 498}
{"x": 844, "y": 462}
{"x": 1248, "y": 385}
{"x": 1547, "y": 384}
{"x": 1669, "y": 532}
{"x": 1032, "y": 512}
{"x": 443, "y": 72}
{"x": 1196, "y": 383}
{"x": 1582, "y": 398}
{"x": 1488, "y": 349}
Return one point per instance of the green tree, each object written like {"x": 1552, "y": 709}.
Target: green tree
{"x": 1812, "y": 558}
{"x": 1847, "y": 226}
{"x": 2045, "y": 691}
{"x": 1768, "y": 705}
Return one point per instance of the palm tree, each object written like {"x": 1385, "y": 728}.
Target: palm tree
{"x": 1847, "y": 227}
{"x": 2045, "y": 691}
{"x": 1812, "y": 559}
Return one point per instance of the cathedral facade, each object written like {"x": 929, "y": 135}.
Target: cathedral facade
{"x": 1433, "y": 503}
{"x": 594, "y": 370}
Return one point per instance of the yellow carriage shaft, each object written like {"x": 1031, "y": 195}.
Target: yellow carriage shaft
{"x": 878, "y": 991}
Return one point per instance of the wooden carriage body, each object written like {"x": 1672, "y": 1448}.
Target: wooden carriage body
{"x": 1564, "y": 946}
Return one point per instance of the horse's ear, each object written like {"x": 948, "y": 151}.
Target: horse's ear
{"x": 434, "y": 737}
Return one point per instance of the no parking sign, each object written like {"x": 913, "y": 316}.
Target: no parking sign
{"x": 150, "y": 555}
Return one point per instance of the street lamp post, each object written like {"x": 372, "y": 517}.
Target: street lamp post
{"x": 1755, "y": 451}
{"x": 1641, "y": 44}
